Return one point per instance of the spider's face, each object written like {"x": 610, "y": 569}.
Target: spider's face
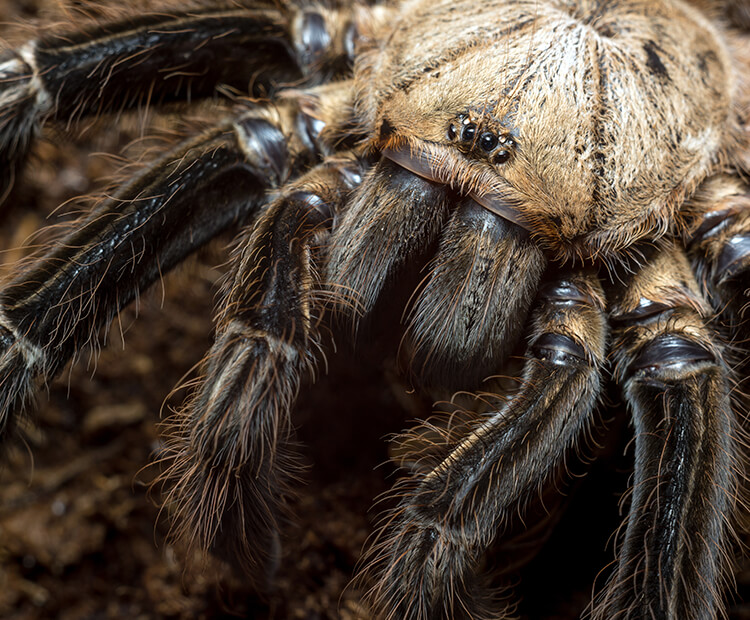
{"x": 587, "y": 129}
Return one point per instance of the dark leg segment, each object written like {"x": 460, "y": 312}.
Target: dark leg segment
{"x": 471, "y": 311}
{"x": 161, "y": 57}
{"x": 719, "y": 247}
{"x": 673, "y": 558}
{"x": 231, "y": 463}
{"x": 56, "y": 304}
{"x": 425, "y": 560}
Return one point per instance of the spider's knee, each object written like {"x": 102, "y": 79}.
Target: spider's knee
{"x": 324, "y": 39}
{"x": 21, "y": 363}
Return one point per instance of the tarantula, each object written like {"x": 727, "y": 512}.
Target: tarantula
{"x": 566, "y": 175}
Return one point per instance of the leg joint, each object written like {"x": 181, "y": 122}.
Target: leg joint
{"x": 669, "y": 351}
{"x": 558, "y": 349}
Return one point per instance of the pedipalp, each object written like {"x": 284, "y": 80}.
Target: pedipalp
{"x": 228, "y": 447}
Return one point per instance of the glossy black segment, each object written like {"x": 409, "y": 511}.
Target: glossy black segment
{"x": 670, "y": 350}
{"x": 564, "y": 291}
{"x": 684, "y": 487}
{"x": 351, "y": 174}
{"x": 734, "y": 256}
{"x": 350, "y": 41}
{"x": 309, "y": 130}
{"x": 272, "y": 280}
{"x": 315, "y": 203}
{"x": 266, "y": 146}
{"x": 645, "y": 309}
{"x": 712, "y": 223}
{"x": 314, "y": 38}
{"x": 164, "y": 57}
{"x": 557, "y": 348}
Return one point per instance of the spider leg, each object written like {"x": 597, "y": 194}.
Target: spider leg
{"x": 719, "y": 246}
{"x": 56, "y": 303}
{"x": 232, "y": 464}
{"x": 673, "y": 557}
{"x": 158, "y": 57}
{"x": 425, "y": 561}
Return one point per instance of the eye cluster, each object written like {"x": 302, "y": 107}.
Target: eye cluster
{"x": 470, "y": 136}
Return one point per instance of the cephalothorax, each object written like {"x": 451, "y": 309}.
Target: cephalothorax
{"x": 562, "y": 171}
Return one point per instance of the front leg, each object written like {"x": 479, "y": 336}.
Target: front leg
{"x": 231, "y": 463}
{"x": 425, "y": 562}
{"x": 673, "y": 556}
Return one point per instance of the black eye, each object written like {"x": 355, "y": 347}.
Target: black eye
{"x": 501, "y": 157}
{"x": 451, "y": 131}
{"x": 488, "y": 141}
{"x": 469, "y": 131}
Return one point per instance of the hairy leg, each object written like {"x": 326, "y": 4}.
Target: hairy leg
{"x": 231, "y": 463}
{"x": 53, "y": 305}
{"x": 425, "y": 560}
{"x": 673, "y": 555}
{"x": 159, "y": 57}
